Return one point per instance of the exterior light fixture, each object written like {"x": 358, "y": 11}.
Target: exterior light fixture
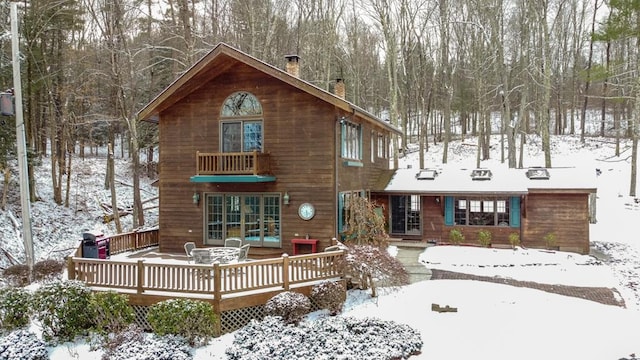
{"x": 285, "y": 198}
{"x": 196, "y": 198}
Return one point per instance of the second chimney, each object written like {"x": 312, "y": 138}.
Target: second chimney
{"x": 340, "y": 89}
{"x": 293, "y": 65}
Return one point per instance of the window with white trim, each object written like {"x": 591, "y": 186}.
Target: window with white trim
{"x": 383, "y": 148}
{"x": 481, "y": 211}
{"x": 351, "y": 141}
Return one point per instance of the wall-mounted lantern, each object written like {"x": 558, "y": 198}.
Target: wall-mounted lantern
{"x": 196, "y": 198}
{"x": 285, "y": 198}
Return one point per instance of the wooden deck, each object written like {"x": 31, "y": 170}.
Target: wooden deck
{"x": 150, "y": 279}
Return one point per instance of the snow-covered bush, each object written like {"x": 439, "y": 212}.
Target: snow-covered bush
{"x": 22, "y": 345}
{"x": 63, "y": 309}
{"x": 113, "y": 341}
{"x": 290, "y": 306}
{"x": 14, "y": 308}
{"x": 329, "y": 295}
{"x": 364, "y": 262}
{"x": 152, "y": 347}
{"x": 326, "y": 338}
{"x": 192, "y": 319}
{"x": 112, "y": 312}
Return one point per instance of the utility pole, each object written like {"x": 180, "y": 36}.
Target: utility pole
{"x": 22, "y": 144}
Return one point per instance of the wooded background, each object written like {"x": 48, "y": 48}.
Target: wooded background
{"x": 436, "y": 69}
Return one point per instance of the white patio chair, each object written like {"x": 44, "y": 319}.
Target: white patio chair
{"x": 233, "y": 242}
{"x": 188, "y": 247}
{"x": 243, "y": 255}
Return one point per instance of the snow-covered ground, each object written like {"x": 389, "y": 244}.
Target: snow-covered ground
{"x": 493, "y": 321}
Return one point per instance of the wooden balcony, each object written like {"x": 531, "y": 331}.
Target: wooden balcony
{"x": 239, "y": 163}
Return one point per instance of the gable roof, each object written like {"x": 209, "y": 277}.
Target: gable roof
{"x": 220, "y": 59}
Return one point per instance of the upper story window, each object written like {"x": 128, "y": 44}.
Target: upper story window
{"x": 383, "y": 146}
{"x": 241, "y": 123}
{"x": 351, "y": 141}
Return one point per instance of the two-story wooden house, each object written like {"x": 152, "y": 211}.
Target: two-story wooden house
{"x": 252, "y": 151}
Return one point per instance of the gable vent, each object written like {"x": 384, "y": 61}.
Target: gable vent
{"x": 538, "y": 173}
{"x": 427, "y": 174}
{"x": 481, "y": 174}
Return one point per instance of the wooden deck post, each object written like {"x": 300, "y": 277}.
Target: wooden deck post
{"x": 285, "y": 271}
{"x": 216, "y": 298}
{"x": 71, "y": 269}
{"x": 140, "y": 286}
{"x": 197, "y": 162}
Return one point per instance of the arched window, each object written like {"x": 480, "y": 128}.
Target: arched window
{"x": 241, "y": 123}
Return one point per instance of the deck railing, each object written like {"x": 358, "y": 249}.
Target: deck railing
{"x": 216, "y": 280}
{"x": 236, "y": 163}
{"x": 132, "y": 241}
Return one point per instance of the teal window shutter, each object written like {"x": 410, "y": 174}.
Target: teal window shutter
{"x": 448, "y": 210}
{"x": 514, "y": 211}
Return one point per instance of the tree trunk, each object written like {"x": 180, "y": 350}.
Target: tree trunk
{"x": 605, "y": 88}
{"x": 446, "y": 85}
{"x": 545, "y": 110}
{"x": 68, "y": 188}
{"x": 112, "y": 186}
{"x": 588, "y": 80}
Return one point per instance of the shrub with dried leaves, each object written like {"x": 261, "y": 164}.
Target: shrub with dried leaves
{"x": 385, "y": 270}
{"x": 290, "y": 306}
{"x": 364, "y": 224}
{"x": 329, "y": 295}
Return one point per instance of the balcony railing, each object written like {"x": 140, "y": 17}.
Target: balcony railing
{"x": 239, "y": 163}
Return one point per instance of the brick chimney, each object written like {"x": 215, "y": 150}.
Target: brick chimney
{"x": 339, "y": 89}
{"x": 293, "y": 65}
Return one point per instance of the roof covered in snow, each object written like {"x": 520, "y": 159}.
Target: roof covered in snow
{"x": 455, "y": 179}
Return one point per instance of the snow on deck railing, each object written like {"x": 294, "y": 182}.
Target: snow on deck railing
{"x": 217, "y": 279}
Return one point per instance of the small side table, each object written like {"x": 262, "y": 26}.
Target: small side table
{"x": 296, "y": 242}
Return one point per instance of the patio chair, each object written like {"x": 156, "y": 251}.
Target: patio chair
{"x": 244, "y": 253}
{"x": 188, "y": 246}
{"x": 233, "y": 242}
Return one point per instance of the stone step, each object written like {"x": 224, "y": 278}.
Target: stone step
{"x": 408, "y": 256}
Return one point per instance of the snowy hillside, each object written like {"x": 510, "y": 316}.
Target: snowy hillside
{"x": 57, "y": 229}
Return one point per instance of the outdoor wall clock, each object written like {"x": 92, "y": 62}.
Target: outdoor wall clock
{"x": 306, "y": 211}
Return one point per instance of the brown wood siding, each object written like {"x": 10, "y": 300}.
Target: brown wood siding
{"x": 365, "y": 177}
{"x": 566, "y": 215}
{"x": 298, "y": 133}
{"x": 432, "y": 218}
